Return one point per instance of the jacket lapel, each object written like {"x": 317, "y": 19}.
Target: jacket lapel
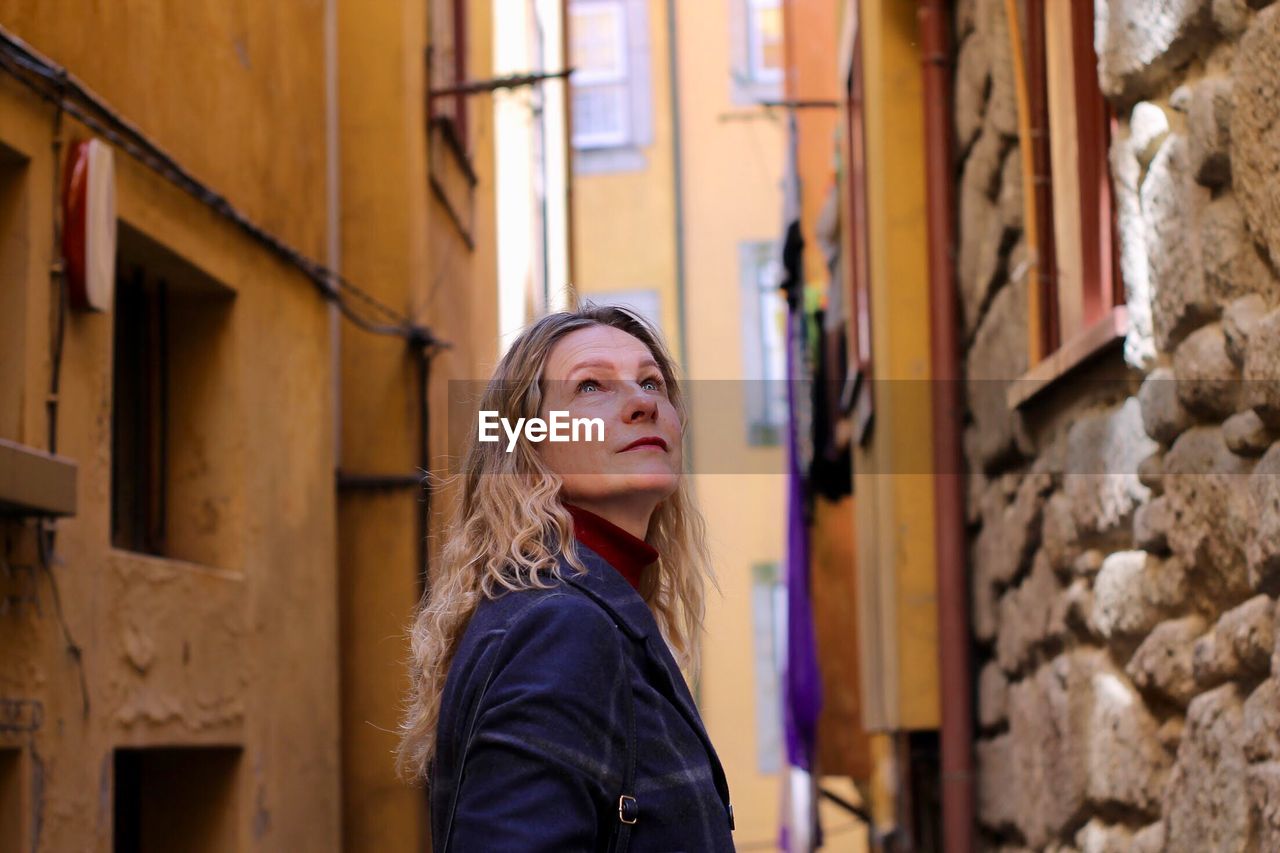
{"x": 610, "y": 590}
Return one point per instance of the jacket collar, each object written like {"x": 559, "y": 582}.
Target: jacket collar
{"x": 610, "y": 590}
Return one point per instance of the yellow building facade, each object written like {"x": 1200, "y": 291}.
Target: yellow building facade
{"x": 210, "y": 647}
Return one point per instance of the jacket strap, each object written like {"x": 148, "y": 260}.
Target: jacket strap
{"x": 628, "y": 808}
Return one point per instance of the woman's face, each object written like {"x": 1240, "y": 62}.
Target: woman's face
{"x": 603, "y": 372}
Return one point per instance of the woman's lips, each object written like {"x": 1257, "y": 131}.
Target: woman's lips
{"x": 648, "y": 441}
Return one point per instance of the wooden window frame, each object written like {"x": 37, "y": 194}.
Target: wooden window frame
{"x": 1054, "y": 350}
{"x": 860, "y": 401}
{"x": 450, "y": 174}
{"x": 456, "y": 118}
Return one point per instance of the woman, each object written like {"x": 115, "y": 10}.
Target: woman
{"x": 549, "y": 710}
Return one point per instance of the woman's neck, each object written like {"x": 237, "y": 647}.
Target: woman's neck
{"x": 631, "y": 515}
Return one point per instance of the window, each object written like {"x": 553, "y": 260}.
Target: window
{"x": 1077, "y": 285}
{"x": 447, "y": 55}
{"x": 13, "y": 272}
{"x": 13, "y": 833}
{"x": 175, "y": 418}
{"x": 449, "y": 173}
{"x": 601, "y": 108}
{"x": 764, "y": 40}
{"x": 769, "y": 646}
{"x": 175, "y": 799}
{"x": 764, "y": 318}
{"x": 757, "y": 51}
{"x": 858, "y": 241}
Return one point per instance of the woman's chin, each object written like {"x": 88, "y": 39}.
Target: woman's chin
{"x": 659, "y": 483}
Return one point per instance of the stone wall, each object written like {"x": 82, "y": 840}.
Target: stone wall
{"x": 1125, "y": 525}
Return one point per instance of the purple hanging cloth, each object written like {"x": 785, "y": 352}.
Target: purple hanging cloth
{"x": 802, "y": 694}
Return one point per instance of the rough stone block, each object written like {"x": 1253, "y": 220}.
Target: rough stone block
{"x": 1148, "y": 126}
{"x": 993, "y": 696}
{"x": 1134, "y": 591}
{"x": 1058, "y": 537}
{"x": 1151, "y": 524}
{"x": 1209, "y": 130}
{"x": 1207, "y": 489}
{"x": 1262, "y": 722}
{"x": 973, "y": 70}
{"x": 1263, "y": 784}
{"x": 981, "y": 231}
{"x": 1262, "y": 368}
{"x": 1255, "y": 126}
{"x": 1151, "y": 473}
{"x": 997, "y": 785}
{"x": 1238, "y": 319}
{"x": 1231, "y": 17}
{"x": 1164, "y": 417}
{"x": 1163, "y": 663}
{"x": 1131, "y": 232}
{"x": 998, "y": 356}
{"x": 1101, "y": 479}
{"x": 1233, "y": 265}
{"x": 1250, "y": 630}
{"x": 1002, "y": 106}
{"x": 1099, "y": 837}
{"x": 1263, "y": 548}
{"x": 1208, "y": 380}
{"x": 1206, "y": 806}
{"x": 1246, "y": 434}
{"x": 1127, "y": 763}
{"x": 1139, "y": 42}
{"x": 1048, "y": 731}
{"x": 1238, "y": 646}
{"x": 1149, "y": 839}
{"x": 1029, "y": 617}
{"x": 1172, "y": 206}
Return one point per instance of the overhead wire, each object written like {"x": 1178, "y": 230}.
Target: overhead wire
{"x": 55, "y": 84}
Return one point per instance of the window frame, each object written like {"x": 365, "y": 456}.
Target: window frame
{"x": 757, "y": 71}
{"x": 456, "y": 118}
{"x": 766, "y": 422}
{"x": 857, "y": 264}
{"x": 1099, "y": 291}
{"x": 586, "y": 79}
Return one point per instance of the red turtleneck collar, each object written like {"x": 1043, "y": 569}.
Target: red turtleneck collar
{"x": 629, "y": 555}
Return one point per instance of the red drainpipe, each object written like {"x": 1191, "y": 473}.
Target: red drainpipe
{"x": 953, "y": 625}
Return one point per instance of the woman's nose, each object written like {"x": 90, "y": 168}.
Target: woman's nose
{"x": 639, "y": 406}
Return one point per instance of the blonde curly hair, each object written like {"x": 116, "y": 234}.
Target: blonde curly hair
{"x": 509, "y": 524}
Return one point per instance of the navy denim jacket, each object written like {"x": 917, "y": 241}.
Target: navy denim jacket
{"x": 532, "y": 738}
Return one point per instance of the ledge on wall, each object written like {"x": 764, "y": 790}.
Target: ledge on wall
{"x": 1108, "y": 331}
{"x": 33, "y": 482}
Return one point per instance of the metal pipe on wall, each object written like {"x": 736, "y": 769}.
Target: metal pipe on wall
{"x": 956, "y": 735}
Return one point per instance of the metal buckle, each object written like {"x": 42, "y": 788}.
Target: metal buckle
{"x": 623, "y": 809}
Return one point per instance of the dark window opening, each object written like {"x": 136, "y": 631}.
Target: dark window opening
{"x": 175, "y": 415}
{"x": 175, "y": 799}
{"x": 12, "y": 832}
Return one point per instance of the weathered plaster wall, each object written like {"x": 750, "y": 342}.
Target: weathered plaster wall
{"x": 238, "y": 647}
{"x": 1126, "y": 526}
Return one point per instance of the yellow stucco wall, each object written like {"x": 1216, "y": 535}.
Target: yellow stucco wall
{"x": 895, "y": 513}
{"x": 284, "y": 639}
{"x": 398, "y": 237}
{"x": 239, "y": 649}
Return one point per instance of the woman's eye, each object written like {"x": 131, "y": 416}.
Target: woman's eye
{"x": 588, "y": 383}
{"x": 656, "y": 384}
